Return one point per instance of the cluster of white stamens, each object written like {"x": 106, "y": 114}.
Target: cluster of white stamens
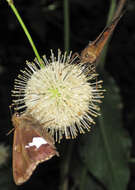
{"x": 60, "y": 91}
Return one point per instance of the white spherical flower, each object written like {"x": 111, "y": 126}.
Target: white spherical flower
{"x": 60, "y": 91}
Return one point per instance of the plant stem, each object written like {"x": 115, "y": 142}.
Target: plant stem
{"x": 83, "y": 178}
{"x": 104, "y": 52}
{"x": 111, "y": 15}
{"x": 66, "y": 25}
{"x": 10, "y": 2}
{"x": 111, "y": 11}
{"x": 64, "y": 173}
{"x": 64, "y": 170}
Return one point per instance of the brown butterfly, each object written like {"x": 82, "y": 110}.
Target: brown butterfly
{"x": 32, "y": 145}
{"x": 94, "y": 48}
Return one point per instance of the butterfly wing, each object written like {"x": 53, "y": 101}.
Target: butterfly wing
{"x": 29, "y": 149}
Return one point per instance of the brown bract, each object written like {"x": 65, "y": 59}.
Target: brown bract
{"x": 91, "y": 53}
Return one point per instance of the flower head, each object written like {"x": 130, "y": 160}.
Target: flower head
{"x": 60, "y": 91}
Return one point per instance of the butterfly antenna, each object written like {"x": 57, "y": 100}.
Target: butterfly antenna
{"x": 11, "y": 108}
{"x": 10, "y": 131}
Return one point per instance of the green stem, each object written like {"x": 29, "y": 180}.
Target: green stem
{"x": 65, "y": 163}
{"x": 83, "y": 178}
{"x": 104, "y": 52}
{"x": 111, "y": 11}
{"x": 66, "y": 25}
{"x": 64, "y": 170}
{"x": 10, "y": 2}
{"x": 112, "y": 14}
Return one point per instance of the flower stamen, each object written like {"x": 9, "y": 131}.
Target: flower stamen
{"x": 62, "y": 92}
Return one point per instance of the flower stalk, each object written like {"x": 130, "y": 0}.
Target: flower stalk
{"x": 66, "y": 25}
{"x": 11, "y": 4}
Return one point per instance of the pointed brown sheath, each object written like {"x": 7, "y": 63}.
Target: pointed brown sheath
{"x": 94, "y": 48}
{"x": 31, "y": 146}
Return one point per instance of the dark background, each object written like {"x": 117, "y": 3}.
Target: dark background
{"x": 87, "y": 20}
